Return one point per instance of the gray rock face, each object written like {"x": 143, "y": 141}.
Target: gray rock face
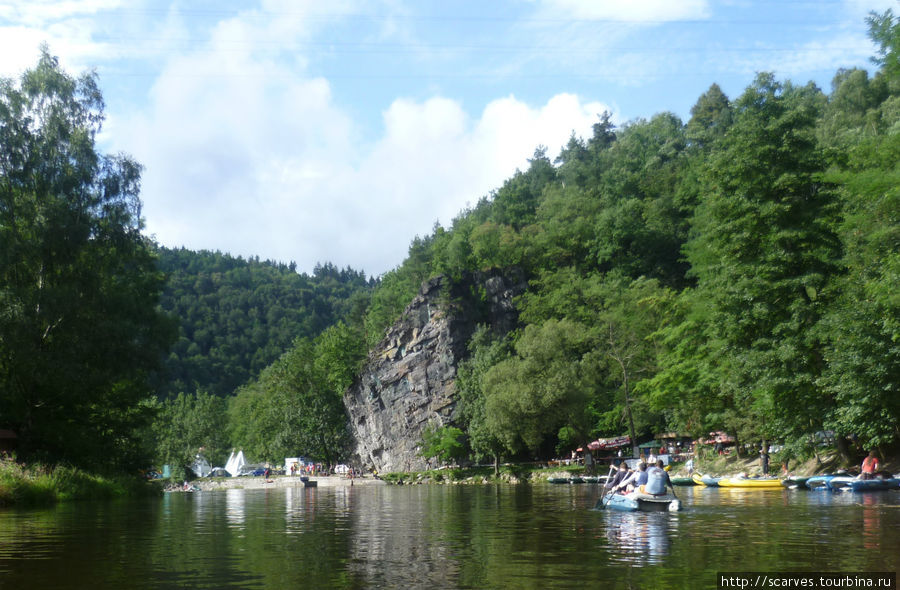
{"x": 409, "y": 379}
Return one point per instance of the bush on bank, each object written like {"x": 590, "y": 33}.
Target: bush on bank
{"x": 509, "y": 473}
{"x": 43, "y": 485}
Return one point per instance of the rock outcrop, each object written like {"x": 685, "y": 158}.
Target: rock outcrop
{"x": 409, "y": 379}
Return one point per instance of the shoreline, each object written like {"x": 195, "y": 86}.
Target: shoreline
{"x": 278, "y": 481}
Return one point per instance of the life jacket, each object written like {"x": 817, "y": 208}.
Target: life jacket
{"x": 656, "y": 481}
{"x": 870, "y": 464}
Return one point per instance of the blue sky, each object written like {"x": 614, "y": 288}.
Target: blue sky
{"x": 336, "y": 132}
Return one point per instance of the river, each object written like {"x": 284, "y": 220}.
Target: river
{"x": 433, "y": 536}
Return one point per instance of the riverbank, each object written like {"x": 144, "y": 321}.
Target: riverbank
{"x": 43, "y": 485}
{"x": 211, "y": 484}
{"x": 826, "y": 462}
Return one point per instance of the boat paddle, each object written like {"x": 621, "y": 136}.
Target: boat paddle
{"x": 672, "y": 485}
{"x": 608, "y": 476}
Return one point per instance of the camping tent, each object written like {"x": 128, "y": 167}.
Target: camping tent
{"x": 201, "y": 467}
{"x": 236, "y": 463}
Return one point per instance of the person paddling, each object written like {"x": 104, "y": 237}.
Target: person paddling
{"x": 636, "y": 479}
{"x": 618, "y": 477}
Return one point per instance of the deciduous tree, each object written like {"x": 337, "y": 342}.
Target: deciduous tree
{"x": 79, "y": 288}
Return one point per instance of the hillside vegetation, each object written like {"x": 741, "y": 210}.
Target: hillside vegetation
{"x": 737, "y": 271}
{"x": 236, "y": 317}
{"x": 734, "y": 271}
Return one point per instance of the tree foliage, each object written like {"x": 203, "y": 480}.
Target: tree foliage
{"x": 79, "y": 326}
{"x": 190, "y": 425}
{"x": 444, "y": 444}
{"x": 237, "y": 316}
{"x": 295, "y": 408}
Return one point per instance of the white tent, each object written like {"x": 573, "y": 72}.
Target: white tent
{"x": 201, "y": 466}
{"x": 235, "y": 463}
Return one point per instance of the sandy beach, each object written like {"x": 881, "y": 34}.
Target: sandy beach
{"x": 280, "y": 481}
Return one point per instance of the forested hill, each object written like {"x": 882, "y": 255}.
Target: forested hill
{"x": 737, "y": 271}
{"x": 237, "y": 316}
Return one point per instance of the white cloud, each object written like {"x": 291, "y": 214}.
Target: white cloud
{"x": 838, "y": 52}
{"x": 249, "y": 152}
{"x": 245, "y": 152}
{"x": 652, "y": 11}
{"x": 66, "y": 26}
{"x": 274, "y": 169}
{"x": 865, "y": 6}
{"x": 38, "y": 13}
{"x": 819, "y": 59}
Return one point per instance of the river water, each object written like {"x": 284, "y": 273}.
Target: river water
{"x": 432, "y": 536}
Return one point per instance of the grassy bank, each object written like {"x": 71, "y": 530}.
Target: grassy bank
{"x": 509, "y": 473}
{"x": 41, "y": 485}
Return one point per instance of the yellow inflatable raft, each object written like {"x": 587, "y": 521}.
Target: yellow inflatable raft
{"x": 750, "y": 482}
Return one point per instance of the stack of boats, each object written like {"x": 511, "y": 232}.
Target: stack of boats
{"x": 845, "y": 483}
{"x": 578, "y": 479}
{"x": 837, "y": 482}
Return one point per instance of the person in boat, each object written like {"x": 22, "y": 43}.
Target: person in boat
{"x": 869, "y": 466}
{"x": 618, "y": 477}
{"x": 635, "y": 480}
{"x": 658, "y": 481}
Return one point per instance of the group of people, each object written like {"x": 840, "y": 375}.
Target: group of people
{"x": 652, "y": 479}
{"x": 307, "y": 469}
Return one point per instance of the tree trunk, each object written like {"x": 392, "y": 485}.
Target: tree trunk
{"x": 634, "y": 445}
{"x": 840, "y": 441}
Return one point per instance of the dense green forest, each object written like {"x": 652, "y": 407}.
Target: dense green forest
{"x": 236, "y": 316}
{"x": 736, "y": 271}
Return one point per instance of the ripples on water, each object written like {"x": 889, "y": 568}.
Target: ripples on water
{"x": 540, "y": 536}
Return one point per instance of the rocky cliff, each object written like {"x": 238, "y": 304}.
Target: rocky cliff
{"x": 409, "y": 379}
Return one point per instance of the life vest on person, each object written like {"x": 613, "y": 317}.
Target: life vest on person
{"x": 656, "y": 481}
{"x": 870, "y": 464}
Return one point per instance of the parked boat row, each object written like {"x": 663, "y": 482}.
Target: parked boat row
{"x": 844, "y": 483}
{"x": 639, "y": 501}
{"x": 831, "y": 482}
{"x": 578, "y": 479}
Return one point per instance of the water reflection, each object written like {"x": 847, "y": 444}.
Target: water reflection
{"x": 398, "y": 537}
{"x": 234, "y": 507}
{"x": 641, "y": 537}
{"x": 441, "y": 537}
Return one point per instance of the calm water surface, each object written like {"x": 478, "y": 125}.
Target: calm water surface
{"x": 540, "y": 536}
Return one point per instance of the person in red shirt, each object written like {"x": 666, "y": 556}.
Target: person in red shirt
{"x": 869, "y": 466}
